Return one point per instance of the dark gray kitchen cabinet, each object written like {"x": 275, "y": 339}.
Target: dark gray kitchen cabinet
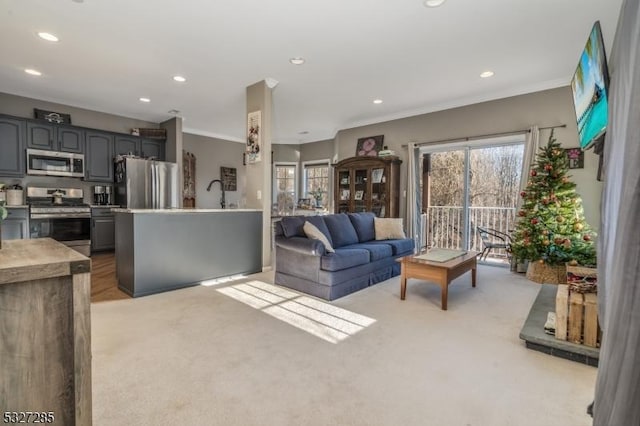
{"x": 53, "y": 137}
{"x": 16, "y": 225}
{"x": 128, "y": 145}
{"x": 103, "y": 230}
{"x": 12, "y": 157}
{"x": 99, "y": 157}
{"x": 153, "y": 148}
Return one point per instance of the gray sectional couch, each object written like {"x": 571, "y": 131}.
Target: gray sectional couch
{"x": 358, "y": 262}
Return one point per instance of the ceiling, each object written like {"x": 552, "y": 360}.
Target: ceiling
{"x": 416, "y": 59}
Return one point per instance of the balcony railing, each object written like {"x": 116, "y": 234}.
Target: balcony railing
{"x": 445, "y": 226}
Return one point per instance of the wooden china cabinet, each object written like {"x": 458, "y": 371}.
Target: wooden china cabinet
{"x": 368, "y": 184}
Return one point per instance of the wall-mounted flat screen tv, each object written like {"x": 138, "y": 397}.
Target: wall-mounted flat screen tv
{"x": 590, "y": 85}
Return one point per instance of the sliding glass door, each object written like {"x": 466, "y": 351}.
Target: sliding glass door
{"x": 468, "y": 185}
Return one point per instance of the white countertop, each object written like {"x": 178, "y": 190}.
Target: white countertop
{"x": 174, "y": 211}
{"x": 22, "y": 206}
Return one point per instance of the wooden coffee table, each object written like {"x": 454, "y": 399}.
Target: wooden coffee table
{"x": 439, "y": 272}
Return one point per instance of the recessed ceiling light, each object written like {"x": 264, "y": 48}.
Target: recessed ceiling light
{"x": 179, "y": 78}
{"x": 145, "y": 100}
{"x": 487, "y": 74}
{"x": 174, "y": 111}
{"x": 304, "y": 132}
{"x": 32, "y": 72}
{"x": 47, "y": 36}
{"x": 433, "y": 3}
{"x": 297, "y": 60}
{"x": 377, "y": 101}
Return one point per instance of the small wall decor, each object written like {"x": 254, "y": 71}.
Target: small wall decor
{"x": 369, "y": 146}
{"x": 229, "y": 178}
{"x": 51, "y": 116}
{"x": 189, "y": 179}
{"x": 254, "y": 129}
{"x": 575, "y": 157}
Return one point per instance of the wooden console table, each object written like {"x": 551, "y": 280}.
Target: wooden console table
{"x": 45, "y": 338}
{"x": 441, "y": 273}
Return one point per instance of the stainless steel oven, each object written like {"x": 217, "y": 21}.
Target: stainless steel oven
{"x": 67, "y": 221}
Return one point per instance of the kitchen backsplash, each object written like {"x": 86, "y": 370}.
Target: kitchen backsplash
{"x": 54, "y": 182}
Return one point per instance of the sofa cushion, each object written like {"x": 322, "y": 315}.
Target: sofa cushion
{"x": 388, "y": 229}
{"x": 363, "y": 224}
{"x": 292, "y": 226}
{"x": 342, "y": 231}
{"x": 376, "y": 251}
{"x": 399, "y": 247}
{"x": 314, "y": 233}
{"x": 319, "y": 223}
{"x": 344, "y": 259}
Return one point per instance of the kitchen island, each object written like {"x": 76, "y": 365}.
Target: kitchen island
{"x": 45, "y": 333}
{"x": 161, "y": 250}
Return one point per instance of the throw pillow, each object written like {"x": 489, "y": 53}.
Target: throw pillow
{"x": 388, "y": 229}
{"x": 315, "y": 234}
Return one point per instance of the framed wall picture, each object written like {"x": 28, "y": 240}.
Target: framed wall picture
{"x": 369, "y": 146}
{"x": 575, "y": 157}
{"x": 254, "y": 135}
{"x": 229, "y": 178}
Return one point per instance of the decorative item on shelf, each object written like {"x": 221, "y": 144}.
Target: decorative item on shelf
{"x": 376, "y": 175}
{"x": 359, "y": 195}
{"x": 386, "y": 152}
{"x": 575, "y": 158}
{"x": 369, "y": 146}
{"x": 229, "y": 178}
{"x": 135, "y": 131}
{"x": 304, "y": 203}
{"x": 153, "y": 133}
{"x": 254, "y": 129}
{"x": 51, "y": 116}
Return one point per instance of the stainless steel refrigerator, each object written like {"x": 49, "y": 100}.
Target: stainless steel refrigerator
{"x": 146, "y": 184}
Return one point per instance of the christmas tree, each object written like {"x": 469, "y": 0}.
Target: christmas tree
{"x": 551, "y": 227}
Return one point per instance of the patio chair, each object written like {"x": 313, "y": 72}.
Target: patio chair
{"x": 492, "y": 239}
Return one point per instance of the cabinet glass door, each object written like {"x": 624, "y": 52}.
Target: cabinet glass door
{"x": 378, "y": 192}
{"x": 344, "y": 191}
{"x": 360, "y": 194}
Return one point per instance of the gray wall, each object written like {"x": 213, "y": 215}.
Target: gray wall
{"x": 545, "y": 108}
{"x": 320, "y": 150}
{"x": 286, "y": 153}
{"x": 211, "y": 154}
{"x": 23, "y": 107}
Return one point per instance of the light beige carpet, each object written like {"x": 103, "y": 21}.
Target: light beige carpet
{"x": 200, "y": 357}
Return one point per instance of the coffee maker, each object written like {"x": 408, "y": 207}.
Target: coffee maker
{"x": 102, "y": 195}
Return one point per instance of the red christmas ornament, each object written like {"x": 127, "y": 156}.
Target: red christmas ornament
{"x": 521, "y": 213}
{"x": 534, "y": 221}
{"x": 533, "y": 173}
{"x": 586, "y": 237}
{"x": 523, "y": 194}
{"x": 548, "y": 167}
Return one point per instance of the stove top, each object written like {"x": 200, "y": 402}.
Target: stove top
{"x": 69, "y": 201}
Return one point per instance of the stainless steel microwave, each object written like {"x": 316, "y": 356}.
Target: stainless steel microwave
{"x": 54, "y": 163}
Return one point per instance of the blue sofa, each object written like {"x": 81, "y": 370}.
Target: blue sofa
{"x": 358, "y": 262}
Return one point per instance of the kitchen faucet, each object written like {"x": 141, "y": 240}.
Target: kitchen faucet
{"x": 222, "y": 201}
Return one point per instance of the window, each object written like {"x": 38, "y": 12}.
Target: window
{"x": 285, "y": 178}
{"x": 316, "y": 182}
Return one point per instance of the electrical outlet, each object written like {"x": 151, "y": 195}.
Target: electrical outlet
{"x": 259, "y": 195}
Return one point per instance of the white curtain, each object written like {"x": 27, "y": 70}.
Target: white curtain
{"x": 618, "y": 383}
{"x": 414, "y": 230}
{"x": 531, "y": 144}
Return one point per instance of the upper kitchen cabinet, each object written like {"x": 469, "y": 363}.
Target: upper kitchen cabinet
{"x": 54, "y": 138}
{"x": 153, "y": 148}
{"x": 127, "y": 145}
{"x": 145, "y": 148}
{"x": 12, "y": 160}
{"x": 99, "y": 157}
